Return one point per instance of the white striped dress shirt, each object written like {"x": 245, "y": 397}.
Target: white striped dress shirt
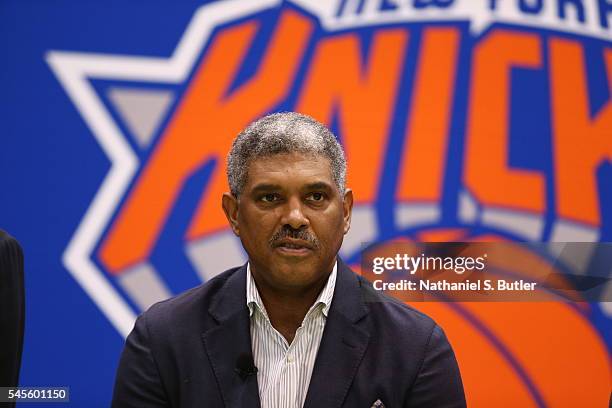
{"x": 284, "y": 369}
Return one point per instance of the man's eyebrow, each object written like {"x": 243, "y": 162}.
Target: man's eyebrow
{"x": 319, "y": 185}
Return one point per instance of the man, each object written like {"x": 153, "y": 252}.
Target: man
{"x": 294, "y": 326}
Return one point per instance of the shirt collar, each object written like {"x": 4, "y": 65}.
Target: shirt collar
{"x": 325, "y": 298}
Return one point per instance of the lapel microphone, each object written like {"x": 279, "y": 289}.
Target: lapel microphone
{"x": 245, "y": 366}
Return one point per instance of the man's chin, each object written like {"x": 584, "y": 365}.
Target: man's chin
{"x": 295, "y": 265}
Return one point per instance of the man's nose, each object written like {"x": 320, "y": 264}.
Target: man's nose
{"x": 294, "y": 214}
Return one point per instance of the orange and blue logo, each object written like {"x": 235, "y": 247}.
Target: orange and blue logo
{"x": 461, "y": 120}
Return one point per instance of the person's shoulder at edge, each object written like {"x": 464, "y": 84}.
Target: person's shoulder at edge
{"x": 11, "y": 253}
{"x": 7, "y": 240}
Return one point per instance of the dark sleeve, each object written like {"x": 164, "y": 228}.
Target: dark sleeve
{"x": 438, "y": 383}
{"x": 138, "y": 383}
{"x": 12, "y": 310}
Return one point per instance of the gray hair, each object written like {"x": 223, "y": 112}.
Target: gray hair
{"x": 278, "y": 133}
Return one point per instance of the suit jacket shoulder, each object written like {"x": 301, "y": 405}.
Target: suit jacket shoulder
{"x": 166, "y": 361}
{"x": 188, "y": 310}
{"x": 404, "y": 358}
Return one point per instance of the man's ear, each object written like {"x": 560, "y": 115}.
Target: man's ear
{"x": 230, "y": 208}
{"x": 347, "y": 205}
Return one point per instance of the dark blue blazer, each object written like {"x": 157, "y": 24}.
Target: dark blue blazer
{"x": 183, "y": 352}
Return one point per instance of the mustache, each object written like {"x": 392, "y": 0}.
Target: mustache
{"x": 288, "y": 232}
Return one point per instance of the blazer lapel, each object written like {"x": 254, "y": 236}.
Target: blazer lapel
{"x": 230, "y": 339}
{"x": 343, "y": 345}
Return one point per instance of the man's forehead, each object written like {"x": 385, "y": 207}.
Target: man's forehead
{"x": 290, "y": 161}
{"x": 304, "y": 166}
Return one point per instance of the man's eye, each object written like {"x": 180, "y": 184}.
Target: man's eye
{"x": 316, "y": 197}
{"x": 269, "y": 198}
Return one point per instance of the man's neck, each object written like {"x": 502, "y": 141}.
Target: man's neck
{"x": 286, "y": 310}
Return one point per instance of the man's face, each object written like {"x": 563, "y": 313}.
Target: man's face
{"x": 291, "y": 219}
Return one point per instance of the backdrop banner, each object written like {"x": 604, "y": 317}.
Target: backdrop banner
{"x": 462, "y": 121}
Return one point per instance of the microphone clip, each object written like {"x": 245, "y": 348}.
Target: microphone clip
{"x": 245, "y": 366}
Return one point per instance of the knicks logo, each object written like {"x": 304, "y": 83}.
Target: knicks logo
{"x": 454, "y": 128}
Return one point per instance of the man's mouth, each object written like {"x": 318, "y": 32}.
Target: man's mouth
{"x": 294, "y": 247}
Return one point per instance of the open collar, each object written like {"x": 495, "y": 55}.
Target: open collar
{"x": 253, "y": 299}
{"x": 342, "y": 347}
